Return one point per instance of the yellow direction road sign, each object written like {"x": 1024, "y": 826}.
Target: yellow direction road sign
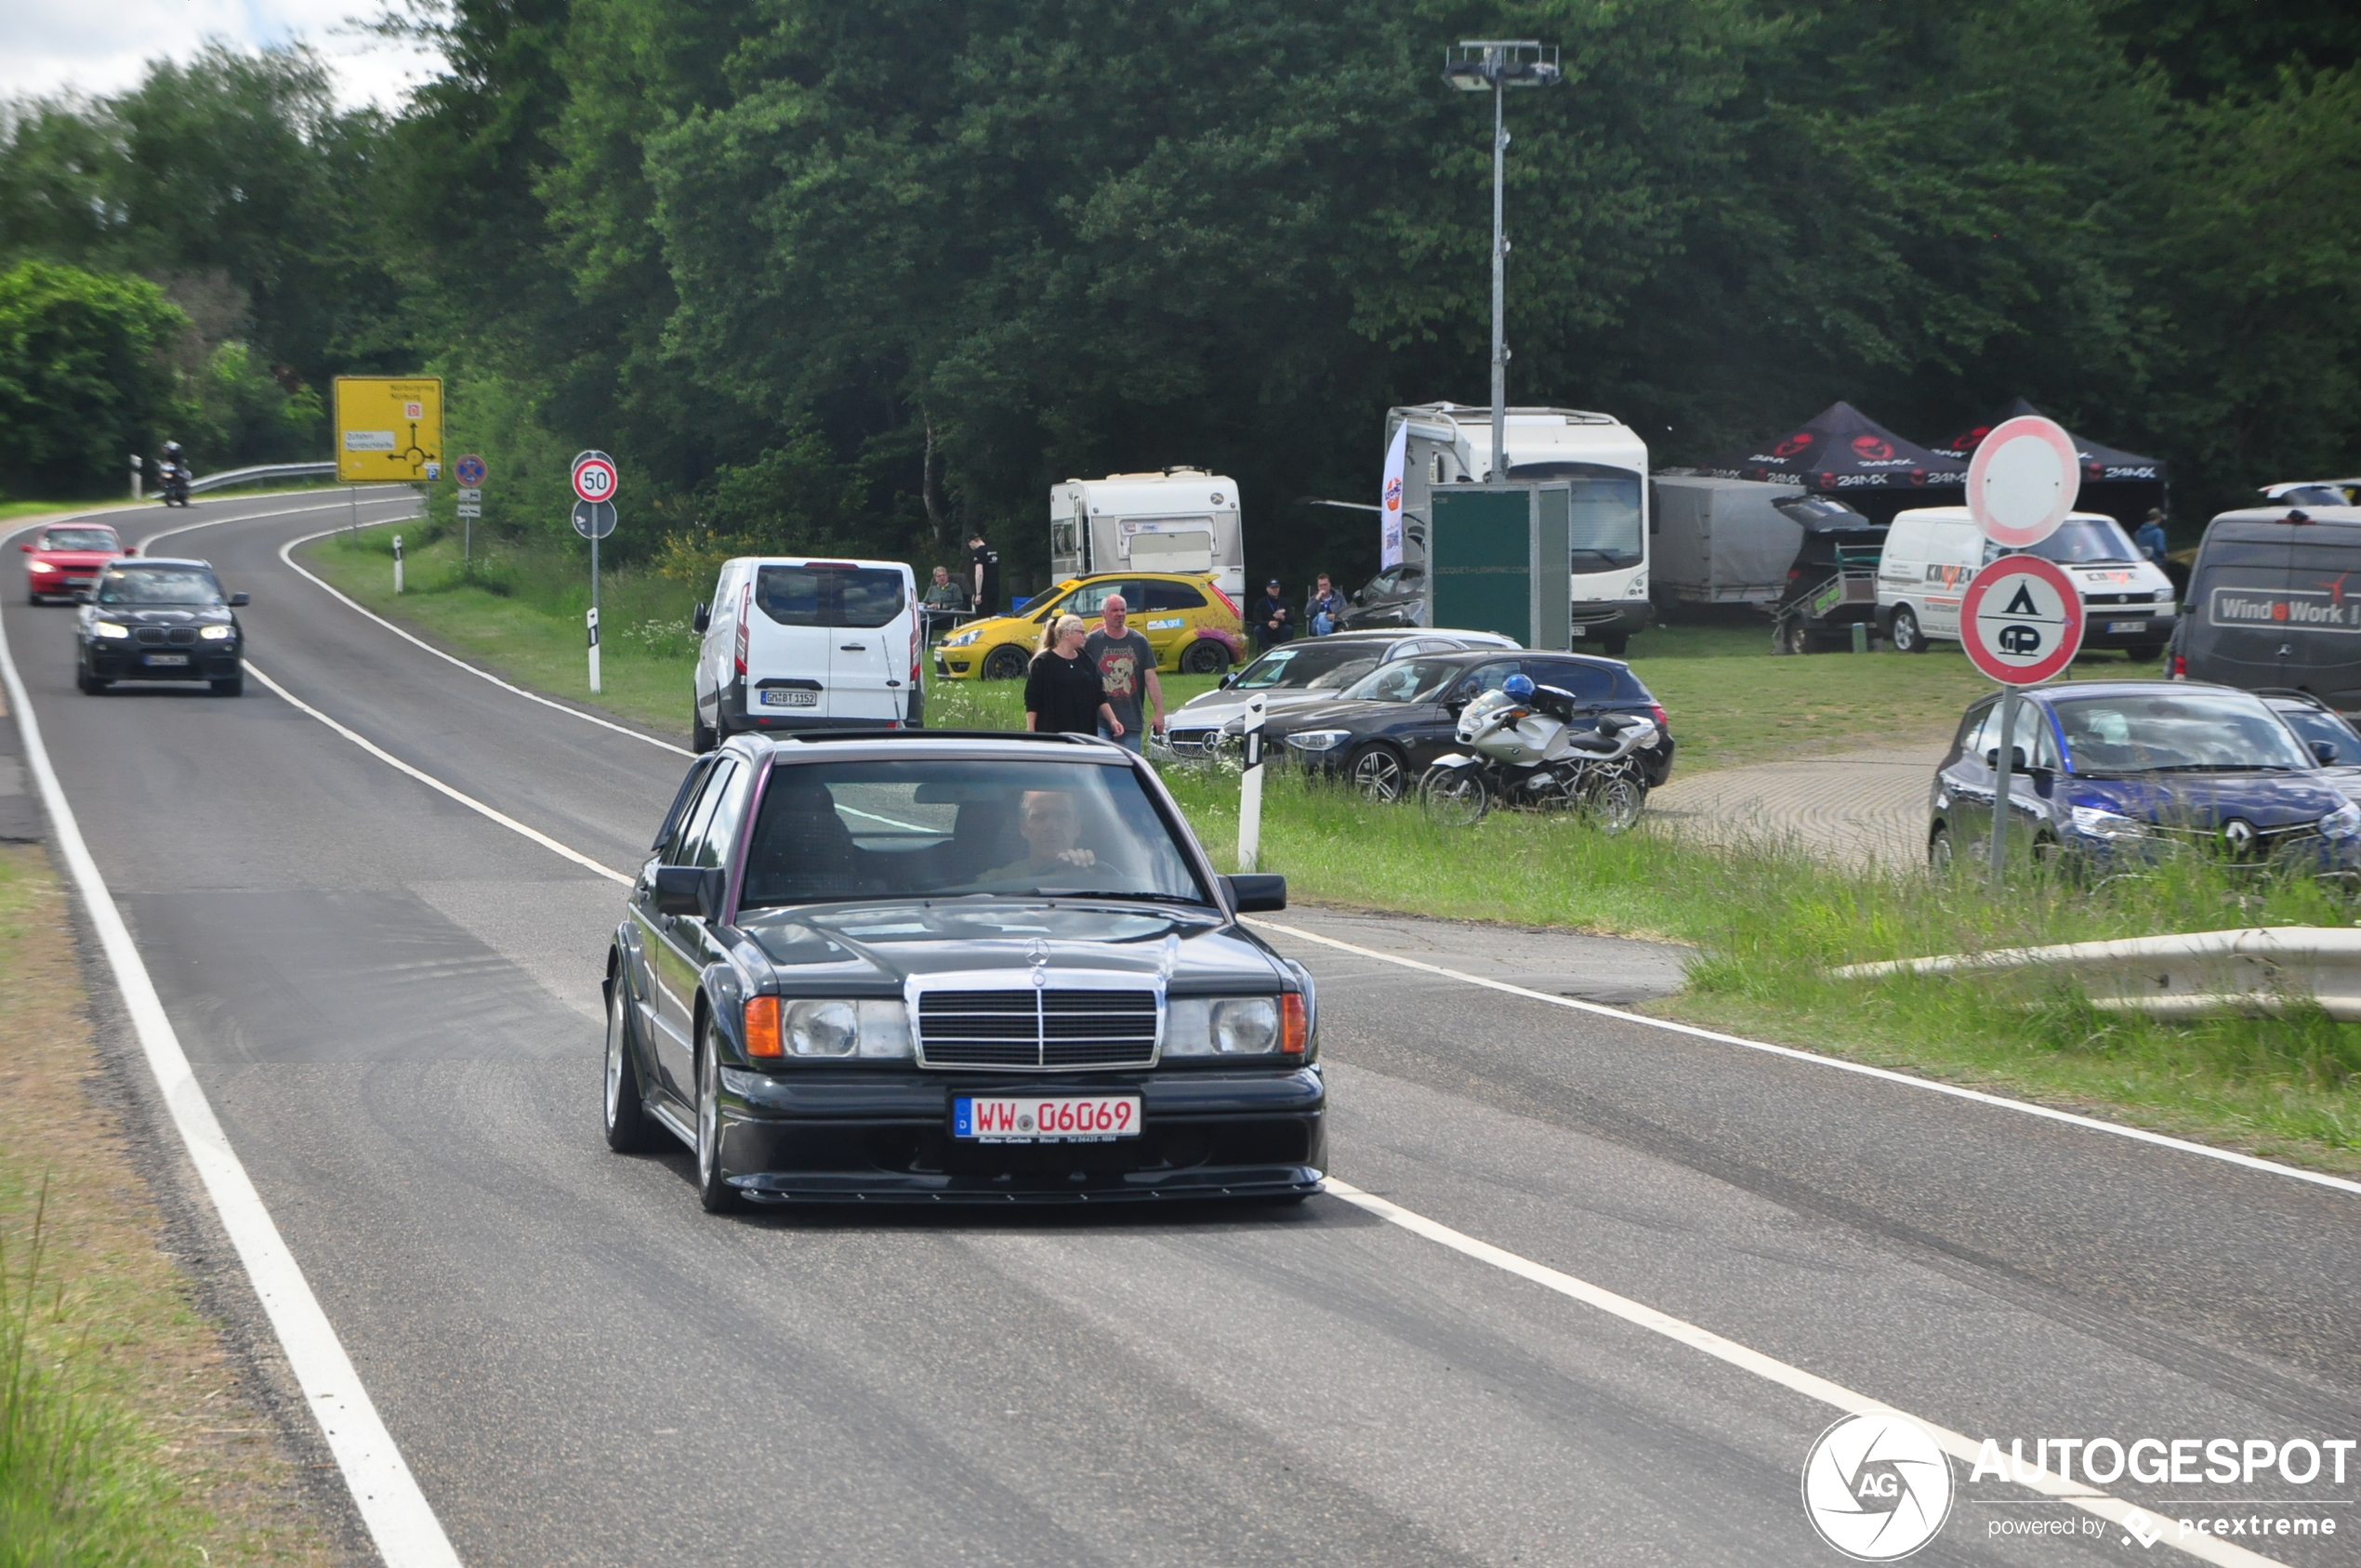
{"x": 389, "y": 427}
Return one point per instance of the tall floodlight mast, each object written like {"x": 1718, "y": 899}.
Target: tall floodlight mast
{"x": 1494, "y": 65}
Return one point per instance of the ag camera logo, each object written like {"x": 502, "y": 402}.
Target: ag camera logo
{"x": 1876, "y": 1487}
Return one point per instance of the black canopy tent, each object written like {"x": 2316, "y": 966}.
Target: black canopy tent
{"x": 1843, "y": 451}
{"x": 2122, "y": 484}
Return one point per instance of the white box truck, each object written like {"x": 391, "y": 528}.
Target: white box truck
{"x": 1177, "y": 519}
{"x": 1721, "y": 541}
{"x": 1602, "y": 459}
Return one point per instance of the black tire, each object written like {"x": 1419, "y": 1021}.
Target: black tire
{"x": 1905, "y": 633}
{"x": 1454, "y": 797}
{"x": 1378, "y": 772}
{"x": 1007, "y": 663}
{"x": 233, "y": 686}
{"x": 702, "y": 737}
{"x": 1939, "y": 856}
{"x": 713, "y": 1191}
{"x": 2144, "y": 653}
{"x": 1204, "y": 656}
{"x": 1615, "y": 647}
{"x": 1791, "y": 636}
{"x": 630, "y": 1130}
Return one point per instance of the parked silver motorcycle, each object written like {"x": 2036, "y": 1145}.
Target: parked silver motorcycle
{"x": 1526, "y": 749}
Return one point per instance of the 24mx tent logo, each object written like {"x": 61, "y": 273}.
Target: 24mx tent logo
{"x": 1876, "y": 1487}
{"x": 1869, "y": 449}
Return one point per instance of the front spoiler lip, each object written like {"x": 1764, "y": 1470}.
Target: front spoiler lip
{"x": 1194, "y": 1183}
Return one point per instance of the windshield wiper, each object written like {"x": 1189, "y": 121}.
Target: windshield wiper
{"x": 1123, "y": 898}
{"x": 1613, "y": 558}
{"x": 2221, "y": 768}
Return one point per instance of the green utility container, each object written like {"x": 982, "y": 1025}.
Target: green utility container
{"x": 1500, "y": 558}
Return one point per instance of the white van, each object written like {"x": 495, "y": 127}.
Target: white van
{"x": 1933, "y": 553}
{"x": 796, "y": 643}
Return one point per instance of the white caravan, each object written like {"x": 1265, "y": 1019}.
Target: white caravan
{"x": 1181, "y": 521}
{"x": 1603, "y": 458}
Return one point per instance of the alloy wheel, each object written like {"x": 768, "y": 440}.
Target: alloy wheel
{"x": 1377, "y": 774}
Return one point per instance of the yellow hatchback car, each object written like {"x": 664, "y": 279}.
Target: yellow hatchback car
{"x": 1193, "y": 626}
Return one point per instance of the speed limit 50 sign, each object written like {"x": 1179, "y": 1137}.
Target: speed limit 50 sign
{"x": 594, "y": 477}
{"x": 2021, "y": 620}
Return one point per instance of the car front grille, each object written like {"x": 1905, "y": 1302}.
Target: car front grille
{"x": 2120, "y": 598}
{"x": 157, "y": 637}
{"x": 1033, "y": 1027}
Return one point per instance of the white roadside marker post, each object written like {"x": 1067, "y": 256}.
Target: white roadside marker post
{"x": 136, "y": 476}
{"x": 594, "y": 624}
{"x": 397, "y": 563}
{"x": 1250, "y": 790}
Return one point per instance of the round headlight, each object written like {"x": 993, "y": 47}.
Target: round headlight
{"x": 822, "y": 1028}
{"x": 1246, "y": 1026}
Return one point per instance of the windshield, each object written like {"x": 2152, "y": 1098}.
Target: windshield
{"x": 158, "y": 585}
{"x": 80, "y": 540}
{"x": 1405, "y": 680}
{"x": 1299, "y": 664}
{"x": 899, "y": 828}
{"x": 1603, "y": 519}
{"x": 2086, "y": 541}
{"x": 2311, "y": 725}
{"x": 829, "y": 594}
{"x": 2212, "y": 732}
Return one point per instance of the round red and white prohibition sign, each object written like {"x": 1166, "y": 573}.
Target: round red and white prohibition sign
{"x": 594, "y": 477}
{"x": 2022, "y": 480}
{"x": 2021, "y": 620}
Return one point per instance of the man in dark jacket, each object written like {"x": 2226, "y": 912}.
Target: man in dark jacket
{"x": 1272, "y": 619}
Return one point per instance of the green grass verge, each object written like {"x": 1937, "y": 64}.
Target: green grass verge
{"x": 1768, "y": 920}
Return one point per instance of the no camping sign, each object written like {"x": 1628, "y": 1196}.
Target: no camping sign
{"x": 2021, "y": 620}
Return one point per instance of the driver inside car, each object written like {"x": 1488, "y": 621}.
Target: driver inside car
{"x": 1051, "y": 826}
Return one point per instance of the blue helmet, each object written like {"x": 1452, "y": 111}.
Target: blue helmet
{"x": 1519, "y": 686}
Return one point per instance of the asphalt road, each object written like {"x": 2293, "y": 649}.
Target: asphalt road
{"x": 393, "y": 1004}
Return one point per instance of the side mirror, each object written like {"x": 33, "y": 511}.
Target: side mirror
{"x": 2325, "y": 752}
{"x": 690, "y": 889}
{"x": 702, "y": 619}
{"x": 1254, "y": 894}
{"x": 1229, "y": 678}
{"x": 26, "y": 548}
{"x": 2044, "y": 780}
{"x": 239, "y": 602}
{"x": 2016, "y": 758}
{"x": 130, "y": 549}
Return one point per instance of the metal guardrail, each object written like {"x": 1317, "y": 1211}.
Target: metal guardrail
{"x": 2261, "y": 970}
{"x": 256, "y": 475}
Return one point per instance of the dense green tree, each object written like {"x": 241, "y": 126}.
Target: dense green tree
{"x": 84, "y": 375}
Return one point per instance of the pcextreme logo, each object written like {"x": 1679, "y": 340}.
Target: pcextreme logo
{"x": 1876, "y": 1487}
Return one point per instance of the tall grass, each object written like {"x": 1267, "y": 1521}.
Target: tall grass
{"x": 78, "y": 1488}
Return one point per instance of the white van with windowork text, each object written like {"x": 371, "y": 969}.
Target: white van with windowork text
{"x": 792, "y": 643}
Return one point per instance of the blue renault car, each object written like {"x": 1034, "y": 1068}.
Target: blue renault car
{"x": 2106, "y": 770}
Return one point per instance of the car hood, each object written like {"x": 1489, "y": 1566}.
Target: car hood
{"x": 2208, "y": 800}
{"x": 1353, "y": 714}
{"x": 1216, "y": 708}
{"x": 77, "y": 558}
{"x": 876, "y": 946}
{"x": 163, "y": 615}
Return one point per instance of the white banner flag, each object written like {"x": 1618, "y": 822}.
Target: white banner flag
{"x": 1390, "y": 549}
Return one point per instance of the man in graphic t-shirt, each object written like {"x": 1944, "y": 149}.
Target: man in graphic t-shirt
{"x": 1124, "y": 662}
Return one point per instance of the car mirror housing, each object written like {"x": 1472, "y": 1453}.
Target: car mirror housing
{"x": 1256, "y": 894}
{"x": 26, "y": 548}
{"x": 702, "y": 619}
{"x": 2016, "y": 758}
{"x": 1228, "y": 678}
{"x": 239, "y": 602}
{"x": 690, "y": 889}
{"x": 2326, "y": 753}
{"x": 130, "y": 549}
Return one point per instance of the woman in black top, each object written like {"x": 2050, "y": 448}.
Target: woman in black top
{"x": 1062, "y": 692}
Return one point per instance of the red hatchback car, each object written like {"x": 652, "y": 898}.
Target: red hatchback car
{"x": 66, "y": 559}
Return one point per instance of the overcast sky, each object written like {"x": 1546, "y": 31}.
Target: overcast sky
{"x": 102, "y": 46}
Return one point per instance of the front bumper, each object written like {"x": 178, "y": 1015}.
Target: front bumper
{"x": 130, "y": 662}
{"x": 1605, "y": 618}
{"x": 887, "y": 1139}
{"x": 2141, "y": 628}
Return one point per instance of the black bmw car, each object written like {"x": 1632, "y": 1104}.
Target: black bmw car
{"x": 151, "y": 619}
{"x": 1383, "y": 733}
{"x": 930, "y": 966}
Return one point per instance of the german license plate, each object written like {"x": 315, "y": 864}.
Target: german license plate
{"x": 791, "y": 697}
{"x": 2127, "y": 626}
{"x": 1579, "y": 631}
{"x": 160, "y": 660}
{"x": 1062, "y": 1119}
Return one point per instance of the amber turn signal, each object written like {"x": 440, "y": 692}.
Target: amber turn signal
{"x": 763, "y": 1027}
{"x": 1294, "y": 1025}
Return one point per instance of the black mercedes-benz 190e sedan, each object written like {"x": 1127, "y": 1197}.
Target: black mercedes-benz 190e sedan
{"x": 932, "y": 967}
{"x": 150, "y": 619}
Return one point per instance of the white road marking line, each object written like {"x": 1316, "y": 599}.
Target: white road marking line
{"x": 469, "y": 802}
{"x": 285, "y": 555}
{"x": 2115, "y": 1510}
{"x": 2228, "y": 1157}
{"x": 253, "y": 517}
{"x": 399, "y": 1519}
